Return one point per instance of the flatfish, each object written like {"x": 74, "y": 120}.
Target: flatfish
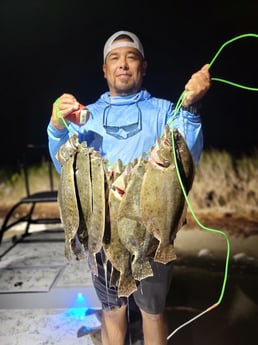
{"x": 116, "y": 252}
{"x": 131, "y": 230}
{"x": 83, "y": 191}
{"x": 97, "y": 221}
{"x": 162, "y": 198}
{"x": 67, "y": 199}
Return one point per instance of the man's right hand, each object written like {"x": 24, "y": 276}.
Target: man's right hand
{"x": 62, "y": 107}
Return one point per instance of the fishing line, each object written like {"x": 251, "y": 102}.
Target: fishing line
{"x": 177, "y": 108}
{"x": 59, "y": 116}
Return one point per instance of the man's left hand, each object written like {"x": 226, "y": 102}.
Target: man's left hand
{"x": 197, "y": 86}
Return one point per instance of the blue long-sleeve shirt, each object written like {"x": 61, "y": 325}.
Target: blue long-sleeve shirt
{"x": 125, "y": 127}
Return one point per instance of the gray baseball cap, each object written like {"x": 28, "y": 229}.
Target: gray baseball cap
{"x": 110, "y": 44}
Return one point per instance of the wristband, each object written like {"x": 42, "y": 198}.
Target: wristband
{"x": 193, "y": 108}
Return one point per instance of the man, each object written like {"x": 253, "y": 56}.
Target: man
{"x": 125, "y": 122}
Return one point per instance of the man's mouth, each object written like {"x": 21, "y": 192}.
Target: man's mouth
{"x": 124, "y": 75}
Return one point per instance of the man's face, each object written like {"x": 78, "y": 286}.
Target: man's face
{"x": 124, "y": 70}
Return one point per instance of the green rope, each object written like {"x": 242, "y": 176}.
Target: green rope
{"x": 219, "y": 51}
{"x": 249, "y": 88}
{"x": 59, "y": 116}
{"x": 229, "y": 42}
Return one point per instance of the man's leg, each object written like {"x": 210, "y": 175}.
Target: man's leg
{"x": 114, "y": 321}
{"x": 155, "y": 330}
{"x": 151, "y": 297}
{"x": 114, "y": 326}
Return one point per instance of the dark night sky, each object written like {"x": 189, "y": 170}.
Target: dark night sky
{"x": 53, "y": 46}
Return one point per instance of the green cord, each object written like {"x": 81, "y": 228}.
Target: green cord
{"x": 219, "y": 51}
{"x": 59, "y": 116}
{"x": 228, "y": 42}
{"x": 249, "y": 88}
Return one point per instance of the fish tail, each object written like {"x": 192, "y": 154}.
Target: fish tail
{"x": 126, "y": 285}
{"x": 93, "y": 264}
{"x": 165, "y": 253}
{"x": 141, "y": 269}
{"x": 68, "y": 251}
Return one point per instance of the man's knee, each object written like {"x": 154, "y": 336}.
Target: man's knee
{"x": 152, "y": 317}
{"x": 114, "y": 313}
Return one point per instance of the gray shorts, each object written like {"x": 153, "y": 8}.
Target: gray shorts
{"x": 151, "y": 293}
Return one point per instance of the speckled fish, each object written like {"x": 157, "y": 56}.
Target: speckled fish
{"x": 115, "y": 251}
{"x": 67, "y": 199}
{"x": 131, "y": 231}
{"x": 83, "y": 191}
{"x": 97, "y": 222}
{"x": 162, "y": 199}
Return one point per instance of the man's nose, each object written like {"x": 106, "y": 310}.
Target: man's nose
{"x": 123, "y": 64}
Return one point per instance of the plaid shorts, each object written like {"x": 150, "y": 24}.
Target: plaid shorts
{"x": 151, "y": 293}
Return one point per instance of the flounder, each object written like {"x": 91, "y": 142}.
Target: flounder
{"x": 131, "y": 230}
{"x": 98, "y": 204}
{"x": 116, "y": 252}
{"x": 67, "y": 198}
{"x": 162, "y": 199}
{"x": 83, "y": 191}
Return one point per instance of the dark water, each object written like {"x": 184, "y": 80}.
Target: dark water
{"x": 194, "y": 289}
{"x": 234, "y": 321}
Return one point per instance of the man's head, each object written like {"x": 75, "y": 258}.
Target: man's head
{"x": 116, "y": 41}
{"x": 124, "y": 63}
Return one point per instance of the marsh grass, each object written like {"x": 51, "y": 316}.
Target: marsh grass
{"x": 221, "y": 181}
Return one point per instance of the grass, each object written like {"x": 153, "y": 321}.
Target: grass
{"x": 222, "y": 181}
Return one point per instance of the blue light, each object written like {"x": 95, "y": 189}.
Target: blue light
{"x": 80, "y": 297}
{"x": 78, "y": 309}
{"x": 76, "y": 313}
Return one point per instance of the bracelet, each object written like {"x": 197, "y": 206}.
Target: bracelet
{"x": 193, "y": 108}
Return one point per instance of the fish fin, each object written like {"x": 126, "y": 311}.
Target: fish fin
{"x": 77, "y": 248}
{"x": 82, "y": 231}
{"x": 165, "y": 254}
{"x": 114, "y": 277}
